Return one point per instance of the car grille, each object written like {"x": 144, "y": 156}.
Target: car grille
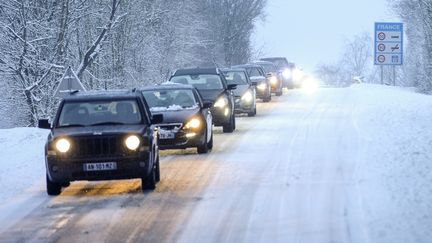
{"x": 175, "y": 127}
{"x": 85, "y": 147}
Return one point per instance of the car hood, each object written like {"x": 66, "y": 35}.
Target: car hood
{"x": 180, "y": 116}
{"x": 258, "y": 79}
{"x": 210, "y": 95}
{"x": 240, "y": 90}
{"x": 99, "y": 130}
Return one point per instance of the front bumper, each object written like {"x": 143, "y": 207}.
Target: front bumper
{"x": 181, "y": 141}
{"x": 262, "y": 93}
{"x": 241, "y": 106}
{"x": 63, "y": 170}
{"x": 221, "y": 116}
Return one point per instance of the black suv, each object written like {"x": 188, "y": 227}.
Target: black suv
{"x": 102, "y": 136}
{"x": 213, "y": 87}
{"x": 187, "y": 119}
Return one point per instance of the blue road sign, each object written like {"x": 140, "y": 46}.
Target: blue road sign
{"x": 388, "y": 44}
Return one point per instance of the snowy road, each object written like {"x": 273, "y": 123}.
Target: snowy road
{"x": 291, "y": 174}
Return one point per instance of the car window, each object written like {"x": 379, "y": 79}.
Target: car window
{"x": 253, "y": 72}
{"x": 235, "y": 77}
{"x": 200, "y": 81}
{"x": 170, "y": 100}
{"x": 100, "y": 112}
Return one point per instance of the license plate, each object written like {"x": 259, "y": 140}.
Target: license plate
{"x": 166, "y": 135}
{"x": 100, "y": 166}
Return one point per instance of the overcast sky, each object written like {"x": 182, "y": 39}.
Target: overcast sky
{"x": 309, "y": 32}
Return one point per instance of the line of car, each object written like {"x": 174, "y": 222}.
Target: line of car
{"x": 108, "y": 135}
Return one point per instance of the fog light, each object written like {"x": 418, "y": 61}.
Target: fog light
{"x": 190, "y": 135}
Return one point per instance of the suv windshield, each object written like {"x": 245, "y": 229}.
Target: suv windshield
{"x": 235, "y": 77}
{"x": 200, "y": 81}
{"x": 280, "y": 63}
{"x": 268, "y": 68}
{"x": 253, "y": 72}
{"x": 170, "y": 100}
{"x": 95, "y": 113}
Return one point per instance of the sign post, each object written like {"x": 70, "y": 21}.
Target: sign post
{"x": 388, "y": 46}
{"x": 69, "y": 83}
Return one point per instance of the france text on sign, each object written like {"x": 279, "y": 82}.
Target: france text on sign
{"x": 388, "y": 44}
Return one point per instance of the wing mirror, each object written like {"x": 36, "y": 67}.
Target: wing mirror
{"x": 44, "y": 124}
{"x": 207, "y": 104}
{"x": 232, "y": 86}
{"x": 157, "y": 119}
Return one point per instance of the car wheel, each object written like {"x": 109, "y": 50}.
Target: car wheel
{"x": 252, "y": 113}
{"x": 203, "y": 149}
{"x": 157, "y": 172}
{"x": 210, "y": 143}
{"x": 229, "y": 128}
{"x": 53, "y": 189}
{"x": 149, "y": 182}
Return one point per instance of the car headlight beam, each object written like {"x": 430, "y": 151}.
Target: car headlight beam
{"x": 262, "y": 86}
{"x": 287, "y": 73}
{"x": 63, "y": 145}
{"x": 194, "y": 123}
{"x": 247, "y": 97}
{"x": 273, "y": 80}
{"x": 132, "y": 142}
{"x": 221, "y": 102}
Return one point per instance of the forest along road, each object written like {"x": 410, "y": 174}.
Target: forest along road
{"x": 287, "y": 175}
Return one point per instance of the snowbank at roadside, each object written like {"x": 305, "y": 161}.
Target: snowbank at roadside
{"x": 396, "y": 126}
{"x": 21, "y": 160}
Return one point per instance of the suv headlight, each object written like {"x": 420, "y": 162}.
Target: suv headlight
{"x": 247, "y": 97}
{"x": 63, "y": 145}
{"x": 262, "y": 86}
{"x": 221, "y": 102}
{"x": 273, "y": 80}
{"x": 287, "y": 73}
{"x": 194, "y": 123}
{"x": 132, "y": 142}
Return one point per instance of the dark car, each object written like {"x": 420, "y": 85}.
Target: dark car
{"x": 244, "y": 94}
{"x": 276, "y": 79}
{"x": 213, "y": 87}
{"x": 259, "y": 79}
{"x": 187, "y": 123}
{"x": 102, "y": 136}
{"x": 289, "y": 71}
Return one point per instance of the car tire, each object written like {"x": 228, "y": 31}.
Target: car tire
{"x": 252, "y": 113}
{"x": 230, "y": 127}
{"x": 210, "y": 143}
{"x": 203, "y": 149}
{"x": 157, "y": 172}
{"x": 148, "y": 183}
{"x": 53, "y": 189}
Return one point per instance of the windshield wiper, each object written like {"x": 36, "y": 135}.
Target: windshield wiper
{"x": 72, "y": 125}
{"x": 107, "y": 123}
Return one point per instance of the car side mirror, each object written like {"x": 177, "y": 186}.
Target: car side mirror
{"x": 157, "y": 119}
{"x": 207, "y": 104}
{"x": 44, "y": 124}
{"x": 232, "y": 86}
{"x": 254, "y": 83}
{"x": 269, "y": 75}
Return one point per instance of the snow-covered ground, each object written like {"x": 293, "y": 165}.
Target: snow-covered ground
{"x": 21, "y": 160}
{"x": 396, "y": 125}
{"x": 341, "y": 165}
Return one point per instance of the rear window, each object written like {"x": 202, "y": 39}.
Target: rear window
{"x": 100, "y": 113}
